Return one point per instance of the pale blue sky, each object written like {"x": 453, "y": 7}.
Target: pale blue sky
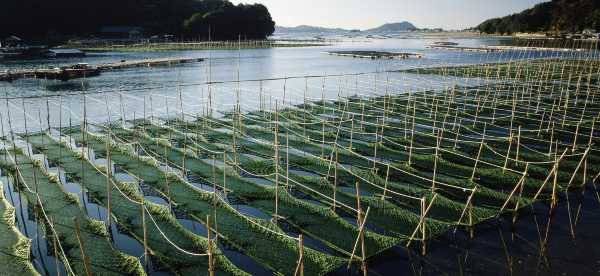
{"x": 364, "y": 14}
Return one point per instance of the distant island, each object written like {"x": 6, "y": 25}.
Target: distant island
{"x": 309, "y": 29}
{"x": 556, "y": 17}
{"x": 386, "y": 28}
{"x": 183, "y": 19}
{"x": 395, "y": 27}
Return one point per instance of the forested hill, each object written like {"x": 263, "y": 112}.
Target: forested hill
{"x": 555, "y": 16}
{"x": 184, "y": 18}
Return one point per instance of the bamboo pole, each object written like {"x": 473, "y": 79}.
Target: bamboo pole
{"x": 352, "y": 133}
{"x": 335, "y": 175}
{"x": 508, "y": 152}
{"x": 387, "y": 176}
{"x": 423, "y": 228}
{"x": 86, "y": 260}
{"x": 276, "y": 145}
{"x": 583, "y": 158}
{"x": 592, "y": 132}
{"x": 375, "y": 147}
{"x": 300, "y": 266}
{"x": 224, "y": 174}
{"x": 435, "y": 162}
{"x": 146, "y": 251}
{"x": 55, "y": 247}
{"x": 211, "y": 261}
{"x": 412, "y": 135}
{"x": 287, "y": 161}
{"x": 477, "y": 159}
{"x": 360, "y": 221}
{"x": 551, "y": 139}
{"x": 555, "y": 185}
{"x": 518, "y": 146}
{"x": 108, "y": 179}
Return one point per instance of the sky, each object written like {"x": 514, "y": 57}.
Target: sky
{"x": 365, "y": 14}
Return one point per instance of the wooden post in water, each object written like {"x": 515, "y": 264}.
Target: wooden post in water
{"x": 575, "y": 137}
{"x": 423, "y": 229}
{"x": 352, "y": 133}
{"x": 412, "y": 136}
{"x": 375, "y": 147}
{"x": 387, "y": 176}
{"x": 360, "y": 222}
{"x": 335, "y": 174}
{"x": 457, "y": 134}
{"x": 551, "y": 139}
{"x": 300, "y": 266}
{"x": 477, "y": 160}
{"x": 287, "y": 161}
{"x": 276, "y": 145}
{"x": 518, "y": 146}
{"x": 225, "y": 173}
{"x": 508, "y": 152}
{"x": 108, "y": 179}
{"x": 146, "y": 257}
{"x": 211, "y": 261}
{"x": 86, "y": 260}
{"x": 439, "y": 135}
{"x": 54, "y": 245}
{"x": 592, "y": 132}
{"x": 554, "y": 202}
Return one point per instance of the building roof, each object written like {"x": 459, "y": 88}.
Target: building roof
{"x": 12, "y": 38}
{"x": 120, "y": 29}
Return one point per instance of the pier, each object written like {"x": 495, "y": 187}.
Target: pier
{"x": 83, "y": 70}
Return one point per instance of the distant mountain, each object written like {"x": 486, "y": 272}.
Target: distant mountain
{"x": 554, "y": 16}
{"x": 394, "y": 27}
{"x": 386, "y": 28}
{"x": 309, "y": 29}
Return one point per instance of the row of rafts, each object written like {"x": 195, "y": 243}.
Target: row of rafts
{"x": 43, "y": 257}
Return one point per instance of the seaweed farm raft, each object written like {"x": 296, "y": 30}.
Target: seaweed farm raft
{"x": 298, "y": 188}
{"x": 375, "y": 54}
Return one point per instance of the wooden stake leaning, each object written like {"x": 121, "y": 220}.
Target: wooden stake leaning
{"x": 86, "y": 260}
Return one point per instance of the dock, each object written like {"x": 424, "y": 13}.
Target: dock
{"x": 82, "y": 70}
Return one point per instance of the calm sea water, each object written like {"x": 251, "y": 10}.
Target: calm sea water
{"x": 125, "y": 91}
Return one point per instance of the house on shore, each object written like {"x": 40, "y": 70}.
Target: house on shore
{"x": 13, "y": 47}
{"x": 11, "y": 42}
{"x": 122, "y": 32}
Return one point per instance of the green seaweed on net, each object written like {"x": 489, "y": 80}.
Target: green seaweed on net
{"x": 257, "y": 241}
{"x": 128, "y": 213}
{"x": 63, "y": 209}
{"x": 14, "y": 246}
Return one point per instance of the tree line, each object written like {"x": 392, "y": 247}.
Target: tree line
{"x": 38, "y": 19}
{"x": 551, "y": 17}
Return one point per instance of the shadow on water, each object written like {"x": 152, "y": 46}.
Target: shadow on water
{"x": 501, "y": 248}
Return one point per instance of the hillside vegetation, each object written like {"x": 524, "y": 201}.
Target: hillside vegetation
{"x": 184, "y": 18}
{"x": 555, "y": 16}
